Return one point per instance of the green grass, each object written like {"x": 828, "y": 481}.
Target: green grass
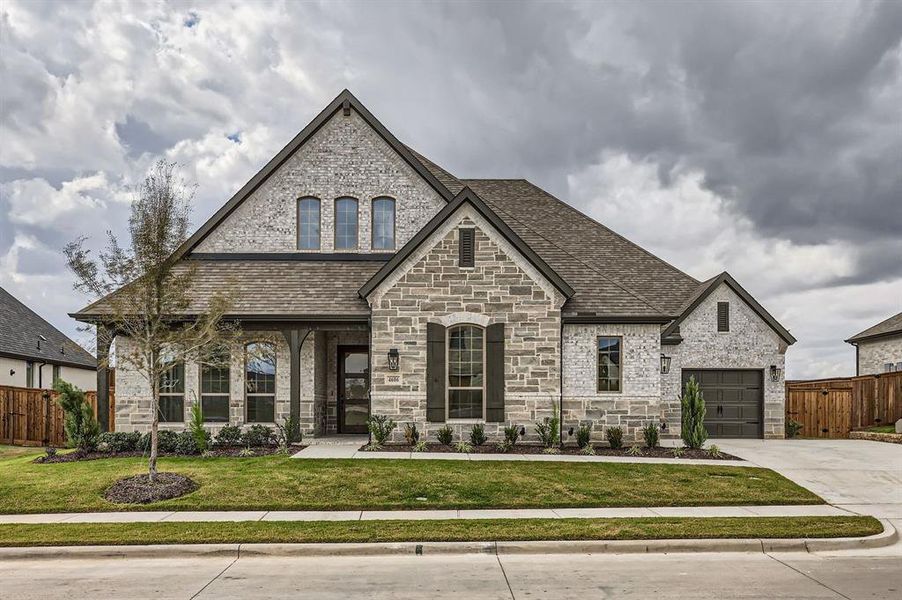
{"x": 62, "y": 534}
{"x": 882, "y": 429}
{"x": 283, "y": 483}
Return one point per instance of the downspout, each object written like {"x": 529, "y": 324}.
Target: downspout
{"x": 561, "y": 383}
{"x": 41, "y": 375}
{"x": 369, "y": 387}
{"x": 856, "y": 360}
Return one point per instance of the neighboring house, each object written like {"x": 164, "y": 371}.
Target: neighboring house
{"x": 395, "y": 288}
{"x": 34, "y": 353}
{"x": 878, "y": 349}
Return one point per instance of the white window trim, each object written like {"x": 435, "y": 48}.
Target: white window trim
{"x": 448, "y": 376}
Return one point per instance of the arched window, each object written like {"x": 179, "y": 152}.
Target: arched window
{"x": 466, "y": 369}
{"x": 308, "y": 224}
{"x": 384, "y": 224}
{"x": 346, "y": 224}
{"x": 260, "y": 382}
{"x": 214, "y": 386}
{"x": 172, "y": 392}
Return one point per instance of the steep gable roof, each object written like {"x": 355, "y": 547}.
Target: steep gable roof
{"x": 887, "y": 328}
{"x": 21, "y": 330}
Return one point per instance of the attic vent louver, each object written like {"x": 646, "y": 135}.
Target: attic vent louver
{"x": 346, "y": 108}
{"x": 467, "y": 242}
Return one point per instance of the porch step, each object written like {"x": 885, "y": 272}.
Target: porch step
{"x": 336, "y": 440}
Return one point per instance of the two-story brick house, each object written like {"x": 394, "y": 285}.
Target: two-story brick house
{"x": 393, "y": 287}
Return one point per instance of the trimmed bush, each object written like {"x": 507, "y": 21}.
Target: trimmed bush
{"x": 289, "y": 432}
{"x": 547, "y": 430}
{"x": 380, "y": 427}
{"x": 650, "y": 433}
{"x": 692, "y": 403}
{"x": 82, "y": 429}
{"x": 445, "y": 435}
{"x": 258, "y": 436}
{"x": 583, "y": 436}
{"x": 229, "y": 435}
{"x": 185, "y": 443}
{"x": 166, "y": 441}
{"x": 614, "y": 436}
{"x": 511, "y": 435}
{"x": 477, "y": 434}
{"x": 119, "y": 441}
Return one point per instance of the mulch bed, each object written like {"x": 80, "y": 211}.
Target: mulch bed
{"x": 569, "y": 450}
{"x": 140, "y": 490}
{"x": 229, "y": 451}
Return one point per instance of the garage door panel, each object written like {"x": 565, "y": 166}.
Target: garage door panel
{"x": 733, "y": 401}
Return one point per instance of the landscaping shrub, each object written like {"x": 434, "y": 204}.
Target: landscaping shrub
{"x": 584, "y": 436}
{"x": 119, "y": 441}
{"x": 503, "y": 446}
{"x": 421, "y": 446}
{"x": 411, "y": 435}
{"x": 614, "y": 436}
{"x": 229, "y": 435}
{"x": 650, "y": 433}
{"x": 548, "y": 430}
{"x": 82, "y": 429}
{"x": 166, "y": 441}
{"x": 477, "y": 434}
{"x": 445, "y": 435}
{"x": 258, "y": 436}
{"x": 463, "y": 447}
{"x": 186, "y": 444}
{"x": 714, "y": 451}
{"x": 288, "y": 432}
{"x": 634, "y": 450}
{"x": 692, "y": 402}
{"x": 678, "y": 452}
{"x": 196, "y": 428}
{"x": 793, "y": 428}
{"x": 380, "y": 427}
{"x": 512, "y": 434}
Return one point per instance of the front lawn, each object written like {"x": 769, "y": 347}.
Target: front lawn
{"x": 882, "y": 428}
{"x": 65, "y": 534}
{"x": 283, "y": 483}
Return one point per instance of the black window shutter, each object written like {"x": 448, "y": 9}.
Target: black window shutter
{"x": 467, "y": 244}
{"x": 494, "y": 373}
{"x": 723, "y": 316}
{"x": 435, "y": 373}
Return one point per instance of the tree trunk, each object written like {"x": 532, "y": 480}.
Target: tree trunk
{"x": 155, "y": 423}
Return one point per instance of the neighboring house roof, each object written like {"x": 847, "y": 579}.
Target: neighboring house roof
{"x": 466, "y": 196}
{"x": 671, "y": 331}
{"x": 20, "y": 333}
{"x": 888, "y": 328}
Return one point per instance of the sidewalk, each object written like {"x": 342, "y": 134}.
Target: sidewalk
{"x": 815, "y": 510}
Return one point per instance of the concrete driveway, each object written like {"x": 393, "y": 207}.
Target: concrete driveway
{"x": 859, "y": 476}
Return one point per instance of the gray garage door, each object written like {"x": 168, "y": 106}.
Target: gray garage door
{"x": 733, "y": 399}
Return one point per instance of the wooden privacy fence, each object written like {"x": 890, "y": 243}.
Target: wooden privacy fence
{"x": 831, "y": 408}
{"x": 32, "y": 417}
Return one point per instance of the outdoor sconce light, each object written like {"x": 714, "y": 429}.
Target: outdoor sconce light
{"x": 665, "y": 364}
{"x": 522, "y": 430}
{"x": 774, "y": 373}
{"x": 394, "y": 359}
{"x": 570, "y": 431}
{"x": 12, "y": 372}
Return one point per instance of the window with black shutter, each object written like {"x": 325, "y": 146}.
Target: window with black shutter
{"x": 467, "y": 242}
{"x": 723, "y": 316}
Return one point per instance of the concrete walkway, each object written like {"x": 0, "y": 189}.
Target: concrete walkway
{"x": 817, "y": 510}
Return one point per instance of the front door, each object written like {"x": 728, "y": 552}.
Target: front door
{"x": 353, "y": 389}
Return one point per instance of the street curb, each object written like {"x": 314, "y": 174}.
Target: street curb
{"x": 887, "y": 537}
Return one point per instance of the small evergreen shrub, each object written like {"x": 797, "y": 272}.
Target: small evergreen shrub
{"x": 477, "y": 434}
{"x": 678, "y": 452}
{"x": 196, "y": 428}
{"x": 588, "y": 450}
{"x": 547, "y": 430}
{"x": 504, "y": 446}
{"x": 614, "y": 436}
{"x": 82, "y": 429}
{"x": 463, "y": 447}
{"x": 511, "y": 435}
{"x": 692, "y": 403}
{"x": 411, "y": 434}
{"x": 421, "y": 446}
{"x": 288, "y": 432}
{"x": 229, "y": 435}
{"x": 258, "y": 436}
{"x": 380, "y": 427}
{"x": 634, "y": 450}
{"x": 584, "y": 436}
{"x": 246, "y": 453}
{"x": 714, "y": 451}
{"x": 445, "y": 435}
{"x": 650, "y": 433}
{"x": 186, "y": 444}
{"x": 793, "y": 428}
{"x": 119, "y": 441}
{"x": 166, "y": 442}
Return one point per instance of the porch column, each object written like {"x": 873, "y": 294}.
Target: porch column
{"x": 104, "y": 339}
{"x": 295, "y": 338}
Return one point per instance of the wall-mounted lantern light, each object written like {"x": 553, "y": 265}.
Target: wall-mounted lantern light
{"x": 665, "y": 364}
{"x": 774, "y": 373}
{"x": 12, "y": 372}
{"x": 394, "y": 359}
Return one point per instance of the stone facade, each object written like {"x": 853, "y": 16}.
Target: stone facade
{"x": 875, "y": 354}
{"x": 345, "y": 158}
{"x": 502, "y": 287}
{"x": 750, "y": 344}
{"x": 639, "y": 401}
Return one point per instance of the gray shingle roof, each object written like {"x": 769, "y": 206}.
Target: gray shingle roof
{"x": 20, "y": 328}
{"x": 890, "y": 326}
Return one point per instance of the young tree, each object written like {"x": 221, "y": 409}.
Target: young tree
{"x": 693, "y": 430}
{"x": 146, "y": 295}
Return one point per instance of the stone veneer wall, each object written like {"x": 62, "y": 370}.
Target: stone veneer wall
{"x": 639, "y": 401}
{"x": 873, "y": 355}
{"x": 750, "y": 344}
{"x": 502, "y": 287}
{"x": 133, "y": 403}
{"x": 344, "y": 158}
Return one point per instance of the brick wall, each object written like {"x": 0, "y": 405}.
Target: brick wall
{"x": 873, "y": 355}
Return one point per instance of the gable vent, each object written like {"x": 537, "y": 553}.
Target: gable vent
{"x": 467, "y": 244}
{"x": 723, "y": 316}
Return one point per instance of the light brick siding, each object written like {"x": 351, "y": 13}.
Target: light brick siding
{"x": 346, "y": 157}
{"x": 639, "y": 402}
{"x": 750, "y": 344}
{"x": 502, "y": 287}
{"x": 873, "y": 355}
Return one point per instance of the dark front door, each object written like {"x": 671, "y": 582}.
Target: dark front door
{"x": 353, "y": 389}
{"x": 733, "y": 401}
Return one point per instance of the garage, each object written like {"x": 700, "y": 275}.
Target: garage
{"x": 734, "y": 400}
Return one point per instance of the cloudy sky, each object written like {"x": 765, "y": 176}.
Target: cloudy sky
{"x": 762, "y": 139}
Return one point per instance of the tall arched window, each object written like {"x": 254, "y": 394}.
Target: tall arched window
{"x": 384, "y": 224}
{"x": 260, "y": 382}
{"x": 466, "y": 368}
{"x": 308, "y": 224}
{"x": 214, "y": 386}
{"x": 346, "y": 224}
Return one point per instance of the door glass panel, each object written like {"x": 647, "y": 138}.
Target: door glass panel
{"x": 356, "y": 362}
{"x": 355, "y": 417}
{"x": 355, "y": 388}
